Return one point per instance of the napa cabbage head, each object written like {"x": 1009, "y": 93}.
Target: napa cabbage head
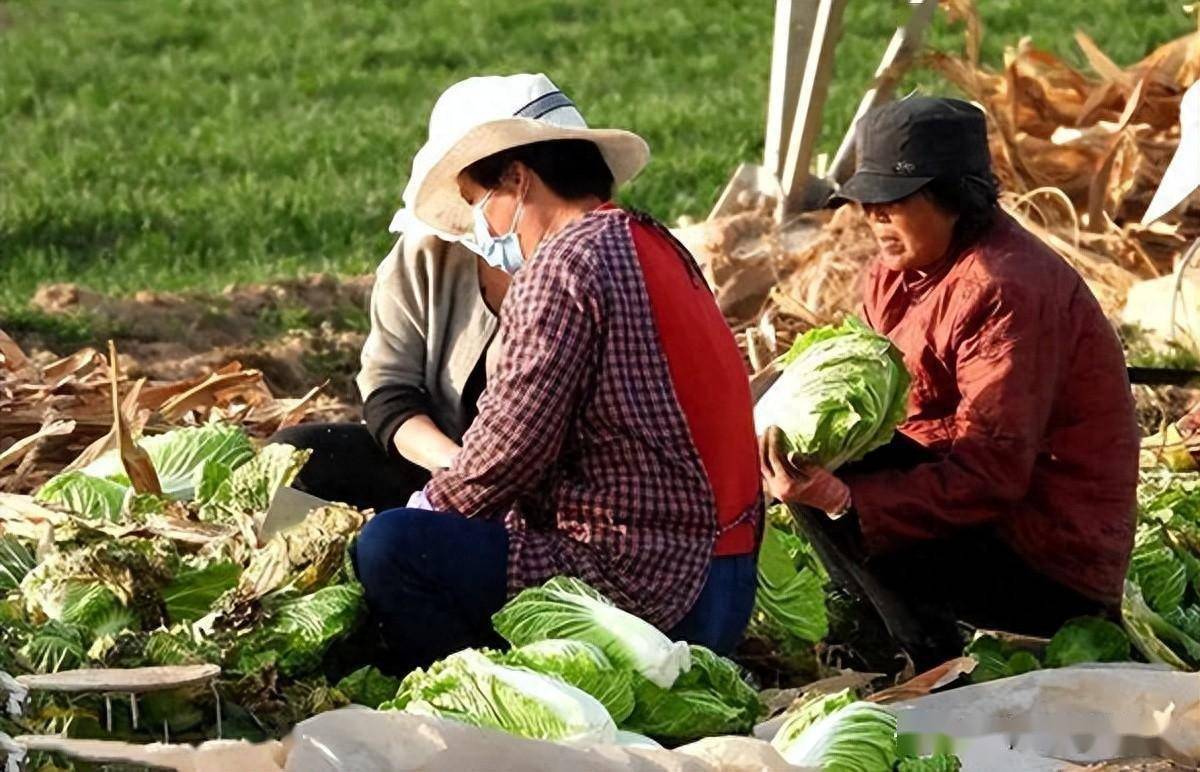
{"x": 582, "y": 665}
{"x": 471, "y": 687}
{"x": 842, "y": 392}
{"x": 565, "y": 607}
{"x": 839, "y": 734}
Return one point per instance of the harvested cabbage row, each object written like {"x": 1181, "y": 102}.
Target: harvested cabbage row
{"x": 575, "y": 651}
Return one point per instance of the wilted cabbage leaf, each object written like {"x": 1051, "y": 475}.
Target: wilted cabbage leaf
{"x": 712, "y": 698}
{"x": 89, "y": 497}
{"x": 193, "y": 591}
{"x": 299, "y": 558}
{"x": 837, "y": 734}
{"x": 565, "y": 607}
{"x": 841, "y": 394}
{"x": 296, "y": 634}
{"x": 1087, "y": 639}
{"x": 582, "y": 665}
{"x": 471, "y": 688}
{"x": 182, "y": 457}
{"x": 248, "y": 490}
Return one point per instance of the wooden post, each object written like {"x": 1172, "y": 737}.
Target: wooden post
{"x": 899, "y": 56}
{"x": 814, "y": 87}
{"x": 794, "y": 21}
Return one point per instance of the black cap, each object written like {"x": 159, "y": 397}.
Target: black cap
{"x": 904, "y": 145}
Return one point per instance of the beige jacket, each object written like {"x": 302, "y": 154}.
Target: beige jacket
{"x": 429, "y": 325}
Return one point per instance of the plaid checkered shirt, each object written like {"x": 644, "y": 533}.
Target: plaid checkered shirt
{"x": 580, "y": 444}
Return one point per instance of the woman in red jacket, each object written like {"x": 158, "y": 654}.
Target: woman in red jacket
{"x": 1008, "y": 498}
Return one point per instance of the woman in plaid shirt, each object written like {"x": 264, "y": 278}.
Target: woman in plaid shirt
{"x": 615, "y": 442}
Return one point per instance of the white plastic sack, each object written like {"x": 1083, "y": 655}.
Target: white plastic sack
{"x": 371, "y": 741}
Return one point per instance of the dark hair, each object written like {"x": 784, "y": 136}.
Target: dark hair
{"x": 572, "y": 168}
{"x": 973, "y": 198}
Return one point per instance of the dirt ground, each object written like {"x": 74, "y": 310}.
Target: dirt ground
{"x": 298, "y": 332}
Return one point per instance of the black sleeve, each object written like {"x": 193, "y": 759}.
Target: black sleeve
{"x": 390, "y": 406}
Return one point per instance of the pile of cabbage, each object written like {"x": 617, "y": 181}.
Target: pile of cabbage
{"x": 580, "y": 670}
{"x": 110, "y": 577}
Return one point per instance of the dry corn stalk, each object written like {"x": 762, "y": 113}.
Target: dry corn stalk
{"x": 1078, "y": 155}
{"x": 61, "y": 414}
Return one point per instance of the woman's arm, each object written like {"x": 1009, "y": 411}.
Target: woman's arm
{"x": 392, "y": 379}
{"x": 550, "y": 328}
{"x": 420, "y": 440}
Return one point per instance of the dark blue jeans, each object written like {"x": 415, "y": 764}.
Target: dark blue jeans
{"x": 433, "y": 581}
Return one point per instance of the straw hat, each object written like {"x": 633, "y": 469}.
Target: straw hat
{"x": 478, "y": 117}
{"x": 1183, "y": 174}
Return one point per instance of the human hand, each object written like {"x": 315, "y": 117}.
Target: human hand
{"x": 808, "y": 484}
{"x": 419, "y": 501}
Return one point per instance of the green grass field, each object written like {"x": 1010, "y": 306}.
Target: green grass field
{"x": 192, "y": 143}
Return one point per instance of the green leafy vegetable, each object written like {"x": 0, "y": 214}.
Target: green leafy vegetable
{"x": 838, "y": 735}
{"x": 940, "y": 763}
{"x": 471, "y": 688}
{"x": 296, "y": 635}
{"x": 1155, "y": 568}
{"x": 90, "y": 497}
{"x": 712, "y": 698}
{"x": 582, "y": 665}
{"x": 250, "y": 488}
{"x": 193, "y": 592}
{"x": 1087, "y": 639}
{"x": 842, "y": 392}
{"x": 565, "y": 607}
{"x": 367, "y": 686}
{"x": 1157, "y": 639}
{"x": 16, "y": 561}
{"x": 55, "y": 646}
{"x": 995, "y": 659}
{"x": 791, "y": 599}
{"x": 181, "y": 457}
{"x": 97, "y": 609}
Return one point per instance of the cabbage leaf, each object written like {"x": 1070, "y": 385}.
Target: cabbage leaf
{"x": 565, "y": 607}
{"x": 1087, "y": 639}
{"x": 838, "y": 734}
{"x": 582, "y": 665}
{"x": 470, "y": 687}
{"x": 712, "y": 698}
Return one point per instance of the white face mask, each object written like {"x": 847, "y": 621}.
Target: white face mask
{"x": 503, "y": 252}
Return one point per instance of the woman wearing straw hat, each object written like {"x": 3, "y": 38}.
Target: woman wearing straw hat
{"x": 615, "y": 441}
{"x": 1007, "y": 500}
